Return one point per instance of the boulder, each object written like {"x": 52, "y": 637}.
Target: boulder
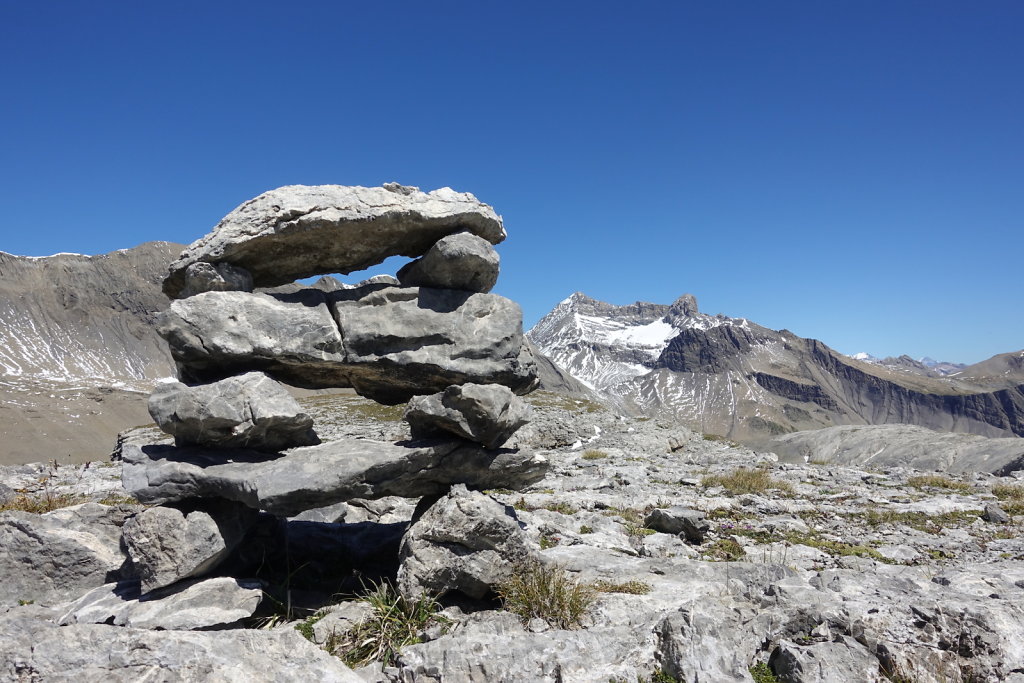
{"x": 166, "y": 544}
{"x": 316, "y": 476}
{"x": 56, "y": 556}
{"x": 690, "y": 524}
{"x": 298, "y": 231}
{"x": 33, "y": 648}
{"x": 221, "y": 601}
{"x": 462, "y": 261}
{"x": 485, "y": 413}
{"x": 221, "y": 277}
{"x": 995, "y": 514}
{"x": 247, "y": 411}
{"x": 388, "y": 343}
{"x": 466, "y": 542}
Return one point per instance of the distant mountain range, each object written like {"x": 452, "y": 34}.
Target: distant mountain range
{"x": 732, "y": 377}
{"x": 923, "y": 366}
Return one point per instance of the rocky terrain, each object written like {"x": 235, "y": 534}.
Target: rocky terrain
{"x": 700, "y": 561}
{"x": 78, "y": 349}
{"x": 732, "y": 377}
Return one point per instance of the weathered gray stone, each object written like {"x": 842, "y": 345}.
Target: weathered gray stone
{"x": 167, "y": 545}
{"x": 393, "y": 343}
{"x": 32, "y": 648}
{"x": 221, "y": 277}
{"x": 55, "y": 556}
{"x": 297, "y": 231}
{"x": 831, "y": 662}
{"x": 995, "y": 514}
{"x": 220, "y": 601}
{"x": 485, "y": 413}
{"x": 315, "y": 476}
{"x": 6, "y": 494}
{"x": 246, "y": 411}
{"x": 462, "y": 261}
{"x": 691, "y": 524}
{"x": 466, "y": 542}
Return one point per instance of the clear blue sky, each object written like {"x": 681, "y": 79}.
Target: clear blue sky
{"x": 851, "y": 171}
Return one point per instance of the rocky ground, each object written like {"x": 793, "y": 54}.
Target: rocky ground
{"x": 753, "y": 570}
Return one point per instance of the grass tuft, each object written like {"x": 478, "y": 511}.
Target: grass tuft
{"x": 44, "y": 502}
{"x": 394, "y": 623}
{"x": 744, "y": 480}
{"x": 937, "y": 481}
{"x": 594, "y": 454}
{"x": 548, "y": 592}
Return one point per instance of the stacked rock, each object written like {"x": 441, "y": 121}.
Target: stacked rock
{"x": 435, "y": 338}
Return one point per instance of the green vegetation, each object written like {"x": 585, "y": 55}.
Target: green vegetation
{"x": 47, "y": 501}
{"x": 548, "y": 541}
{"x": 932, "y": 524}
{"x": 560, "y": 506}
{"x": 724, "y": 550}
{"x": 594, "y": 454}
{"x": 113, "y": 500}
{"x": 305, "y": 627}
{"x": 1011, "y": 498}
{"x": 762, "y": 674}
{"x": 394, "y": 623}
{"x": 770, "y": 426}
{"x": 744, "y": 480}
{"x": 937, "y": 481}
{"x": 586, "y": 529}
{"x": 629, "y": 587}
{"x": 548, "y": 592}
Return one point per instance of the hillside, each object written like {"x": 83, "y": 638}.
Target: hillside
{"x": 732, "y": 377}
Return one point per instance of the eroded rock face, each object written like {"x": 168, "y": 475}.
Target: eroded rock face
{"x": 463, "y": 261}
{"x": 167, "y": 545}
{"x": 297, "y": 231}
{"x": 55, "y": 556}
{"x": 214, "y": 602}
{"x": 315, "y": 476}
{"x": 246, "y": 411}
{"x": 487, "y": 414}
{"x": 388, "y": 343}
{"x": 466, "y": 542}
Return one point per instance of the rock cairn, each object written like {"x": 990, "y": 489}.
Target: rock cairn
{"x": 434, "y": 337}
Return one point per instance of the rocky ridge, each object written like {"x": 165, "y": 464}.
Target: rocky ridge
{"x": 732, "y": 377}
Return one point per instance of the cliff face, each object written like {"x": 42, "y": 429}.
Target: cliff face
{"x": 732, "y": 377}
{"x": 78, "y": 349}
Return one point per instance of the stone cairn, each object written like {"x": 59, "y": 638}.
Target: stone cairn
{"x": 434, "y": 338}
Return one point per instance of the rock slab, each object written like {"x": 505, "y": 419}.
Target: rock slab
{"x": 297, "y": 231}
{"x": 316, "y": 476}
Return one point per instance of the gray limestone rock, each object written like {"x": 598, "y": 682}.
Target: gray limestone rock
{"x": 33, "y": 648}
{"x": 221, "y": 277}
{"x": 388, "y": 343}
{"x": 830, "y": 662}
{"x": 190, "y": 605}
{"x": 55, "y": 556}
{"x": 678, "y": 520}
{"x": 485, "y": 413}
{"x": 297, "y": 231}
{"x": 462, "y": 261}
{"x": 246, "y": 411}
{"x": 166, "y": 544}
{"x": 995, "y": 514}
{"x": 316, "y": 476}
{"x": 6, "y": 494}
{"x": 466, "y": 542}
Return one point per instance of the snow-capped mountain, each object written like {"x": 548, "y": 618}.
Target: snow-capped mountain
{"x": 922, "y": 366}
{"x": 732, "y": 377}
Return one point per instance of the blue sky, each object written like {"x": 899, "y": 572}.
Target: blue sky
{"x": 851, "y": 171}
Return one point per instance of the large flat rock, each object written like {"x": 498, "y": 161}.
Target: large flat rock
{"x": 312, "y": 477}
{"x": 298, "y": 230}
{"x": 389, "y": 343}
